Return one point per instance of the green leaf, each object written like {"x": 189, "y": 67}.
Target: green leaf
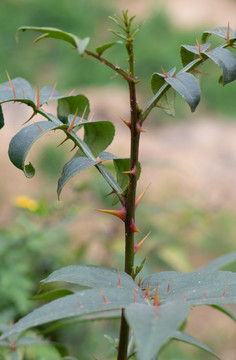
{"x": 72, "y": 168}
{"x": 153, "y": 327}
{"x": 167, "y": 101}
{"x": 82, "y": 303}
{"x": 52, "y": 294}
{"x": 92, "y": 276}
{"x": 225, "y": 311}
{"x": 221, "y": 31}
{"x": 190, "y": 53}
{"x": 187, "y": 86}
{"x": 70, "y": 104}
{"x": 23, "y": 141}
{"x": 196, "y": 288}
{"x": 226, "y": 61}
{"x": 219, "y": 262}
{"x": 182, "y": 336}
{"x": 48, "y": 32}
{"x": 100, "y": 50}
{"x": 98, "y": 135}
{"x": 1, "y": 118}
{"x": 158, "y": 80}
{"x": 23, "y": 92}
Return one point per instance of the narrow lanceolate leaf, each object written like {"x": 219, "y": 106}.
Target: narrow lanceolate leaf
{"x": 153, "y": 326}
{"x": 219, "y": 262}
{"x": 1, "y": 118}
{"x": 226, "y": 60}
{"x": 182, "y": 336}
{"x": 100, "y": 50}
{"x": 196, "y": 288}
{"x": 70, "y": 104}
{"x": 92, "y": 276}
{"x": 48, "y": 32}
{"x": 82, "y": 303}
{"x": 187, "y": 86}
{"x": 222, "y": 31}
{"x": 23, "y": 141}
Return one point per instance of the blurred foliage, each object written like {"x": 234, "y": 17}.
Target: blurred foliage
{"x": 157, "y": 45}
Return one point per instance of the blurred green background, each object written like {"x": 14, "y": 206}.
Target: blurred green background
{"x": 185, "y": 233}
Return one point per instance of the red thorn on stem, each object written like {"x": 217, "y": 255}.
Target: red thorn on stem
{"x": 121, "y": 213}
{"x": 133, "y": 227}
{"x": 168, "y": 286}
{"x": 38, "y": 126}
{"x": 204, "y": 296}
{"x": 223, "y": 295}
{"x": 185, "y": 297}
{"x": 78, "y": 303}
{"x": 73, "y": 121}
{"x": 156, "y": 300}
{"x": 37, "y": 98}
{"x": 141, "y": 196}
{"x": 131, "y": 172}
{"x": 11, "y": 85}
{"x": 135, "y": 298}
{"x": 140, "y": 243}
{"x": 54, "y": 87}
{"x": 119, "y": 283}
{"x": 139, "y": 128}
{"x": 147, "y": 291}
{"x": 140, "y": 281}
{"x": 164, "y": 72}
{"x": 127, "y": 123}
{"x": 103, "y": 297}
{"x": 199, "y": 48}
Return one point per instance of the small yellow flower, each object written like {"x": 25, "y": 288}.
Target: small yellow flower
{"x": 27, "y": 203}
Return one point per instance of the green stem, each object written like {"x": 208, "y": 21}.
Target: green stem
{"x": 131, "y": 195}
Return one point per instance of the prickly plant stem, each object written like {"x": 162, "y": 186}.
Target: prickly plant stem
{"x": 131, "y": 192}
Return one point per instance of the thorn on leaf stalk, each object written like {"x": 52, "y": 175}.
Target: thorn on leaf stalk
{"x": 199, "y": 72}
{"x": 140, "y": 243}
{"x": 121, "y": 213}
{"x": 11, "y": 85}
{"x": 140, "y": 281}
{"x": 133, "y": 227}
{"x": 161, "y": 107}
{"x": 168, "y": 286}
{"x": 78, "y": 303}
{"x": 103, "y": 297}
{"x": 95, "y": 357}
{"x": 199, "y": 48}
{"x": 156, "y": 302}
{"x": 141, "y": 196}
{"x": 135, "y": 298}
{"x": 72, "y": 122}
{"x": 63, "y": 141}
{"x": 38, "y": 126}
{"x": 111, "y": 193}
{"x": 146, "y": 296}
{"x": 119, "y": 283}
{"x": 164, "y": 72}
{"x": 223, "y": 295}
{"x": 54, "y": 87}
